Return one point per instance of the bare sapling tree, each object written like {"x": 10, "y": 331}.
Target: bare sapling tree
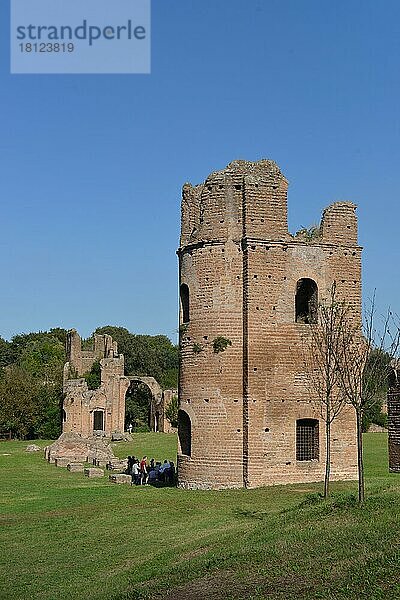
{"x": 363, "y": 373}
{"x": 322, "y": 350}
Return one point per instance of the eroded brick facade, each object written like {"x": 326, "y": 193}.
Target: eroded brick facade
{"x": 393, "y": 409}
{"x": 240, "y": 270}
{"x": 101, "y": 410}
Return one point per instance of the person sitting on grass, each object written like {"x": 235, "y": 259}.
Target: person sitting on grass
{"x": 164, "y": 471}
{"x": 152, "y": 477}
{"x": 172, "y": 473}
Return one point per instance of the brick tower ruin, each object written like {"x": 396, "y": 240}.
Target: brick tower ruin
{"x": 249, "y": 291}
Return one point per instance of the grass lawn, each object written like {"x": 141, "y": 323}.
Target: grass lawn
{"x": 65, "y": 536}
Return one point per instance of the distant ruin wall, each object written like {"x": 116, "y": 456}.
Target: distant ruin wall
{"x": 100, "y": 411}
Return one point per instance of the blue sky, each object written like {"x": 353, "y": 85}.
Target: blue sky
{"x": 91, "y": 166}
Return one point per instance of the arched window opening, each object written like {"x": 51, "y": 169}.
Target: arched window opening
{"x": 306, "y": 301}
{"x": 64, "y": 416}
{"x": 185, "y": 433}
{"x": 307, "y": 439}
{"x": 98, "y": 420}
{"x": 184, "y": 292}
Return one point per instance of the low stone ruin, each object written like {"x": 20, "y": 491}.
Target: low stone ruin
{"x": 98, "y": 411}
{"x": 32, "y": 448}
{"x": 73, "y": 448}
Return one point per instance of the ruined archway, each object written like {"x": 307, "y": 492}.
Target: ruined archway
{"x": 144, "y": 404}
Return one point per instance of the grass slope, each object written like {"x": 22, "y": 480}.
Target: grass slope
{"x": 64, "y": 536}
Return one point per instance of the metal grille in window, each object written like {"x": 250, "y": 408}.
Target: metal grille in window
{"x": 307, "y": 439}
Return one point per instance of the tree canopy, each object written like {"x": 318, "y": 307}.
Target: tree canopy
{"x": 31, "y": 383}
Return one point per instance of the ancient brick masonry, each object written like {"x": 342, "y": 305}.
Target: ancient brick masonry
{"x": 248, "y": 289}
{"x": 103, "y": 410}
{"x": 393, "y": 404}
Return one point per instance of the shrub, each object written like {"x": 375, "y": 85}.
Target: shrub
{"x": 171, "y": 411}
{"x": 93, "y": 377}
{"x": 220, "y": 344}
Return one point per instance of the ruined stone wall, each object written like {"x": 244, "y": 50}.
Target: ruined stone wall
{"x": 80, "y": 404}
{"x": 242, "y": 267}
{"x": 394, "y": 431}
{"x": 393, "y": 406}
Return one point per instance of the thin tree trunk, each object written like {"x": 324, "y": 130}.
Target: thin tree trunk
{"x": 361, "y": 490}
{"x": 328, "y": 457}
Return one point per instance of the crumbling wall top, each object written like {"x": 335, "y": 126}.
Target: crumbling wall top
{"x": 223, "y": 207}
{"x": 81, "y": 361}
{"x": 260, "y": 168}
{"x": 339, "y": 223}
{"x": 249, "y": 200}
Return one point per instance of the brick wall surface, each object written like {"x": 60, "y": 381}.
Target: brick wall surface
{"x": 394, "y": 429}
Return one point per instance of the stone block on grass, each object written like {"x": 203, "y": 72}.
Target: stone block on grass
{"x": 93, "y": 472}
{"x": 32, "y": 448}
{"x": 117, "y": 465}
{"x": 76, "y": 467}
{"x": 120, "y": 478}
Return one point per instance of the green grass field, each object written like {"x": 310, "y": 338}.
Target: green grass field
{"x": 65, "y": 536}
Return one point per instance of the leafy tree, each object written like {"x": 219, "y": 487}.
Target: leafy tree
{"x": 31, "y": 384}
{"x": 60, "y": 334}
{"x": 171, "y": 411}
{"x": 20, "y": 342}
{"x": 43, "y": 358}
{"x": 29, "y": 408}
{"x": 137, "y": 407}
{"x": 5, "y": 353}
{"x": 378, "y": 361}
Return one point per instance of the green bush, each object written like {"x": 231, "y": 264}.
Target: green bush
{"x": 220, "y": 344}
{"x": 172, "y": 411}
{"x": 93, "y": 377}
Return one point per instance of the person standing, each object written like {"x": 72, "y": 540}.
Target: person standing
{"x": 135, "y": 472}
{"x": 143, "y": 470}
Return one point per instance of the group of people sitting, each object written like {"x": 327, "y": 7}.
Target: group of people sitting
{"x": 153, "y": 473}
